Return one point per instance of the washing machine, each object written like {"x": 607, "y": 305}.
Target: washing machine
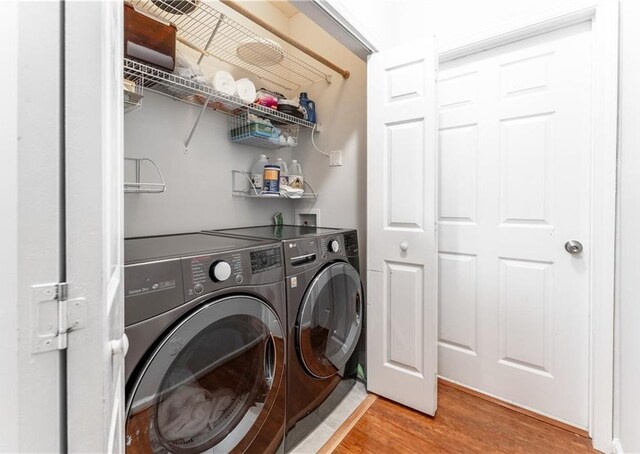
{"x": 325, "y": 319}
{"x": 206, "y": 321}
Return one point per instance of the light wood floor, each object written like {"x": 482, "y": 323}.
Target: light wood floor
{"x": 464, "y": 423}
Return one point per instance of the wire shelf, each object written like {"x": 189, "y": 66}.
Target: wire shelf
{"x": 250, "y": 191}
{"x": 222, "y": 37}
{"x": 250, "y": 129}
{"x": 190, "y": 92}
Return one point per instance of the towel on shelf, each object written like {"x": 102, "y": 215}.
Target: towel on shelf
{"x": 246, "y": 90}
{"x": 223, "y": 82}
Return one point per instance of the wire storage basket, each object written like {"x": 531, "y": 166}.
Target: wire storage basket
{"x": 248, "y": 128}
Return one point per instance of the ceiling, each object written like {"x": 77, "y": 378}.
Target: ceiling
{"x": 285, "y": 7}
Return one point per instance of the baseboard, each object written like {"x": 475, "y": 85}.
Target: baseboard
{"x": 510, "y": 406}
{"x": 337, "y": 437}
{"x": 617, "y": 446}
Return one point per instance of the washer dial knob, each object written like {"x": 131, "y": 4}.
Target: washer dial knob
{"x": 220, "y": 271}
{"x": 334, "y": 246}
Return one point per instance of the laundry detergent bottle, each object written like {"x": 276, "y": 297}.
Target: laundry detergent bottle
{"x": 309, "y": 107}
{"x": 296, "y": 179}
{"x": 284, "y": 172}
{"x": 257, "y": 170}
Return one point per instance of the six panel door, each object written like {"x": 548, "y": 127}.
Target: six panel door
{"x": 515, "y": 169}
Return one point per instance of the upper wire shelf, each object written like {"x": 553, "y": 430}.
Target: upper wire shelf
{"x": 191, "y": 92}
{"x": 221, "y": 37}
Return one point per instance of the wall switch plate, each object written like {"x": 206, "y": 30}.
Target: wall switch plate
{"x": 335, "y": 158}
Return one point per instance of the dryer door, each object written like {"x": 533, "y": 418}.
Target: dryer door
{"x": 330, "y": 320}
{"x": 211, "y": 382}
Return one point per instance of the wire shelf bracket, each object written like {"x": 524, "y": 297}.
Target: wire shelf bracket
{"x": 195, "y": 125}
{"x": 140, "y": 187}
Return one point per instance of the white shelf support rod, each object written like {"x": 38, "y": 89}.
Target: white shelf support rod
{"x": 195, "y": 125}
{"x": 213, "y": 34}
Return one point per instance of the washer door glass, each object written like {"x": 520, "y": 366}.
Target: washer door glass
{"x": 210, "y": 384}
{"x": 329, "y": 321}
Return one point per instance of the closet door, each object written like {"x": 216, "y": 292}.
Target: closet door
{"x": 402, "y": 246}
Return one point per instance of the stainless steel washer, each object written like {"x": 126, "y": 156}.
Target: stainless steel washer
{"x": 206, "y": 321}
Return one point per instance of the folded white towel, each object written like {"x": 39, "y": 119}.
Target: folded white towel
{"x": 224, "y": 83}
{"x": 246, "y": 90}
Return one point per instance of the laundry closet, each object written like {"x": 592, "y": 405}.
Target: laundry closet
{"x": 277, "y": 225}
{"x": 244, "y": 224}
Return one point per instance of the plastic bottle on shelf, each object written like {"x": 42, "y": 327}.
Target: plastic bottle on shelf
{"x": 284, "y": 172}
{"x": 257, "y": 169}
{"x": 296, "y": 179}
{"x": 309, "y": 107}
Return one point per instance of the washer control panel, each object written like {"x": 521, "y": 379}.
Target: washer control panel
{"x": 332, "y": 246}
{"x": 207, "y": 273}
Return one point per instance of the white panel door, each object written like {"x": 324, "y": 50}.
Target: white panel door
{"x": 515, "y": 147}
{"x": 94, "y": 208}
{"x": 402, "y": 247}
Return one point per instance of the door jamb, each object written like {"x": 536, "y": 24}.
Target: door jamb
{"x": 603, "y": 15}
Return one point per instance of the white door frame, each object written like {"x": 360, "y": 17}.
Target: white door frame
{"x": 604, "y": 17}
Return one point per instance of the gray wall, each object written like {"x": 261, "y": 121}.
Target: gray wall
{"x": 198, "y": 192}
{"x": 342, "y": 111}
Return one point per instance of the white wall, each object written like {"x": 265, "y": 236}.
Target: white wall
{"x": 627, "y": 404}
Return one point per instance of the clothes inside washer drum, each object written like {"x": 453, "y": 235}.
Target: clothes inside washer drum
{"x": 190, "y": 410}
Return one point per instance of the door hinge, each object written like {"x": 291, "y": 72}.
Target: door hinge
{"x": 54, "y": 315}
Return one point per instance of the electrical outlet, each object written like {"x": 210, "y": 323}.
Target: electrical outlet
{"x": 318, "y": 127}
{"x": 335, "y": 158}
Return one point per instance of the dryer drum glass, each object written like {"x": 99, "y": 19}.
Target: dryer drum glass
{"x": 329, "y": 320}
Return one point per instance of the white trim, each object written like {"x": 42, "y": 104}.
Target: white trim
{"x": 605, "y": 29}
{"x": 617, "y": 446}
{"x": 526, "y": 27}
{"x": 9, "y": 380}
{"x": 604, "y": 17}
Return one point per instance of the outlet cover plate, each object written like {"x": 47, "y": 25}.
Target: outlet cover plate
{"x": 335, "y": 158}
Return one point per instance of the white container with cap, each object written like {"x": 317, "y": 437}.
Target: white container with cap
{"x": 257, "y": 170}
{"x": 296, "y": 179}
{"x": 284, "y": 172}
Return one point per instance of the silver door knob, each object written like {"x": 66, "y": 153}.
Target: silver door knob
{"x": 404, "y": 246}
{"x": 573, "y": 247}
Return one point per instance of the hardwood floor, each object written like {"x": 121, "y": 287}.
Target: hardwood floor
{"x": 464, "y": 423}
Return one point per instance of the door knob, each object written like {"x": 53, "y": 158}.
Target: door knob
{"x": 120, "y": 347}
{"x": 404, "y": 246}
{"x": 573, "y": 247}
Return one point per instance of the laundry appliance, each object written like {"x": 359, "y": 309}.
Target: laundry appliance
{"x": 325, "y": 318}
{"x": 206, "y": 320}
